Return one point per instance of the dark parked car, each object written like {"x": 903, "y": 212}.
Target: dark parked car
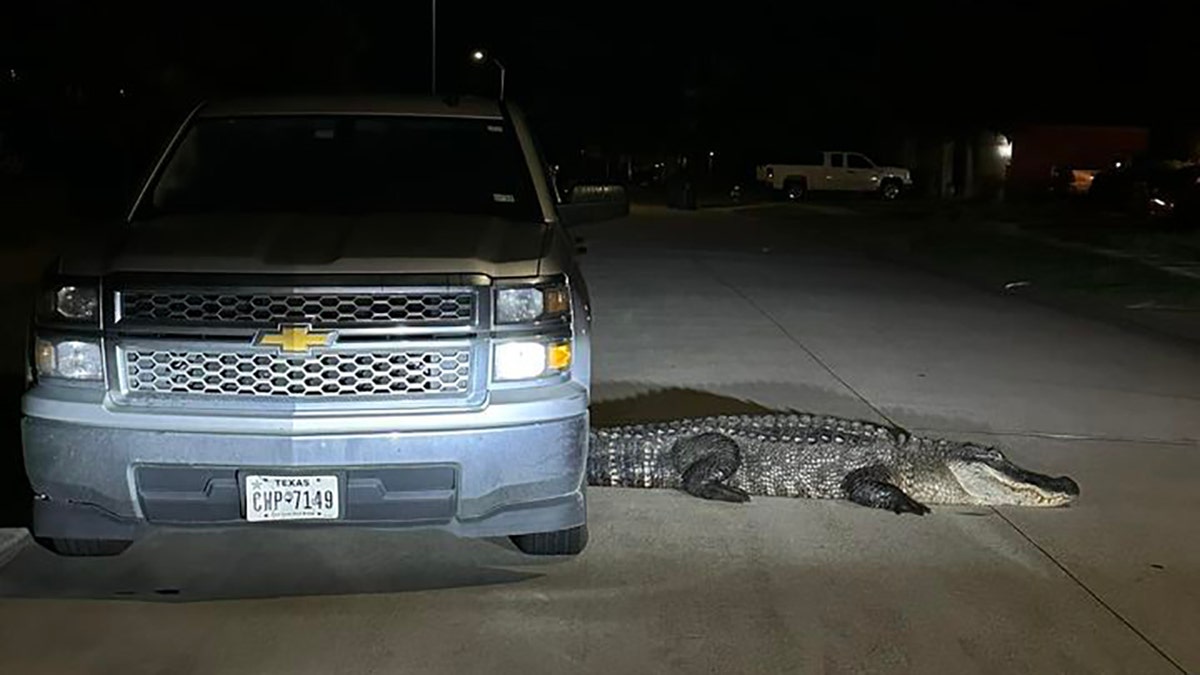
{"x": 1150, "y": 189}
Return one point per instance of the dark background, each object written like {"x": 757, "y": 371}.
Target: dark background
{"x": 98, "y": 86}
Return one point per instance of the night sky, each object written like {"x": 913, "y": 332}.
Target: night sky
{"x": 623, "y": 77}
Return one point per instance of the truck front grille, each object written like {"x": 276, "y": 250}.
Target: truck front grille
{"x": 408, "y": 373}
{"x": 400, "y": 307}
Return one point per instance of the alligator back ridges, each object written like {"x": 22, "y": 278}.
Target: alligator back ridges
{"x": 782, "y": 454}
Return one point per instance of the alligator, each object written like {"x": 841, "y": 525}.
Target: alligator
{"x": 732, "y": 457}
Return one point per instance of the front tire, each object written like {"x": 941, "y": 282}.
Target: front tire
{"x": 85, "y": 548}
{"x": 571, "y": 541}
{"x": 890, "y": 191}
{"x": 795, "y": 190}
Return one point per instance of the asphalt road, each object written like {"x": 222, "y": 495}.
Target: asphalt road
{"x": 722, "y": 312}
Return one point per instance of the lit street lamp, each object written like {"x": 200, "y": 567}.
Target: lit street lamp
{"x": 480, "y": 57}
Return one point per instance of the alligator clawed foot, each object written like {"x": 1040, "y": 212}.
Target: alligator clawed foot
{"x": 909, "y": 505}
{"x": 745, "y": 496}
{"x": 723, "y": 493}
{"x": 870, "y": 486}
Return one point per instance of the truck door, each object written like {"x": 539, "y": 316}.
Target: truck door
{"x": 861, "y": 174}
{"x": 834, "y": 176}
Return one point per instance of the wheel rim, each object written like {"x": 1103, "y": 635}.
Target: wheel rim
{"x": 795, "y": 192}
{"x": 890, "y": 192}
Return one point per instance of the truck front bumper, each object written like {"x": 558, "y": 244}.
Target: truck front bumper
{"x": 501, "y": 475}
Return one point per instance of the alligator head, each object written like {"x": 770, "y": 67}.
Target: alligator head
{"x": 988, "y": 477}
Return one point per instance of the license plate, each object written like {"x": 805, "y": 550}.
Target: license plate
{"x": 275, "y": 498}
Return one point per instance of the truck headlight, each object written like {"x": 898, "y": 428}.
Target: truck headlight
{"x": 71, "y": 302}
{"x": 76, "y": 302}
{"x": 71, "y": 359}
{"x": 527, "y": 304}
{"x": 526, "y": 360}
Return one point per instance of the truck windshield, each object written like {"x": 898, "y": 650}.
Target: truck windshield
{"x": 347, "y": 164}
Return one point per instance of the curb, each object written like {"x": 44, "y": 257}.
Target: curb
{"x": 12, "y": 540}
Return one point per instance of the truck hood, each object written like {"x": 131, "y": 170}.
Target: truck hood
{"x": 323, "y": 244}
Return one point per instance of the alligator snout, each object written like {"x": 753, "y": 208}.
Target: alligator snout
{"x": 1063, "y": 485}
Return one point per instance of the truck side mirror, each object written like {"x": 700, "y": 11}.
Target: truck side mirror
{"x": 594, "y": 203}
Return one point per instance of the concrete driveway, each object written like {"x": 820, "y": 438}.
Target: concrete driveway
{"x": 721, "y": 312}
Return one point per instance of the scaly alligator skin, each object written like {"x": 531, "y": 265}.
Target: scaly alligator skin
{"x": 733, "y": 457}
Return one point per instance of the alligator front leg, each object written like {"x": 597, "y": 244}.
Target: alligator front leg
{"x": 870, "y": 486}
{"x": 706, "y": 463}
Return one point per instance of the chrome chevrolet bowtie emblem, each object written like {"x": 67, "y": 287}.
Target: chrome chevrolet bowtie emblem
{"x": 295, "y": 339}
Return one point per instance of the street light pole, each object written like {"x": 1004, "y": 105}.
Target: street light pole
{"x": 480, "y": 56}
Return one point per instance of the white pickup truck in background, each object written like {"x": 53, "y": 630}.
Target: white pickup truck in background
{"x": 835, "y": 172}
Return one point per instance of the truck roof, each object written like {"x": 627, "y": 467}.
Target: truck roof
{"x": 424, "y": 106}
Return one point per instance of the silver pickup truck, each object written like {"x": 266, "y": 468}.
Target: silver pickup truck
{"x": 359, "y": 312}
